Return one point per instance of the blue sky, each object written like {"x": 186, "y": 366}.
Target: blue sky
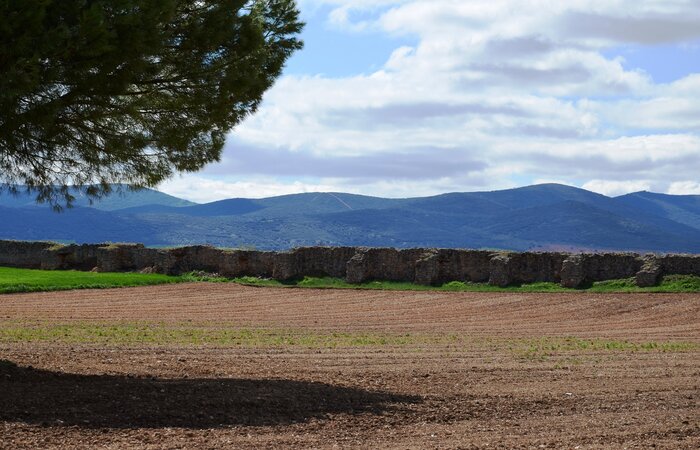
{"x": 665, "y": 63}
{"x": 405, "y": 98}
{"x": 334, "y": 52}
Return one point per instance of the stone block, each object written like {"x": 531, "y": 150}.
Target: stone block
{"x": 573, "y": 273}
{"x": 650, "y": 273}
{"x": 285, "y": 267}
{"x": 428, "y": 269}
{"x": 356, "y": 269}
{"x": 499, "y": 270}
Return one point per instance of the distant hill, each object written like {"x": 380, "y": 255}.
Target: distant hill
{"x": 683, "y": 209}
{"x": 541, "y": 217}
{"x": 286, "y": 205}
{"x": 74, "y": 225}
{"x": 232, "y": 207}
{"x": 121, "y": 197}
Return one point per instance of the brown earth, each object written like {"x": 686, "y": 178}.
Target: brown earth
{"x": 508, "y": 381}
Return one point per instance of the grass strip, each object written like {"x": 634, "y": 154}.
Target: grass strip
{"x": 161, "y": 334}
{"x": 23, "y": 280}
{"x": 670, "y": 284}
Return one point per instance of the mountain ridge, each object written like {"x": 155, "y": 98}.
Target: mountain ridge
{"x": 122, "y": 196}
{"x": 534, "y": 217}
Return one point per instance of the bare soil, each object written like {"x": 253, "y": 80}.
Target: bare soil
{"x": 483, "y": 393}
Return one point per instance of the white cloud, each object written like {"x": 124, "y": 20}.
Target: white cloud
{"x": 521, "y": 90}
{"x": 615, "y": 188}
{"x": 552, "y": 181}
{"x": 684, "y": 188}
{"x": 202, "y": 190}
{"x": 652, "y": 149}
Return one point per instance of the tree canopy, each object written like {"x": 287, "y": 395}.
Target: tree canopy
{"x": 95, "y": 92}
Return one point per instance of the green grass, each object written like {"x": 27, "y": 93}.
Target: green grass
{"x": 670, "y": 284}
{"x": 139, "y": 333}
{"x": 221, "y": 335}
{"x": 547, "y": 346}
{"x": 23, "y": 280}
{"x": 337, "y": 283}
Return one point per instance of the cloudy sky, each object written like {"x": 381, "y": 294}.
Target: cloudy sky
{"x": 403, "y": 98}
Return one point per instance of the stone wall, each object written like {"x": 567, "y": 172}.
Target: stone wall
{"x": 26, "y": 255}
{"x": 356, "y": 265}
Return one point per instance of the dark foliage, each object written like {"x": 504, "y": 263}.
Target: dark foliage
{"x": 94, "y": 92}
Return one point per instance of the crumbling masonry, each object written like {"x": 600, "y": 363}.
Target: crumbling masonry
{"x": 355, "y": 264}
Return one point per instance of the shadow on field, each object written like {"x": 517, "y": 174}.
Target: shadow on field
{"x": 95, "y": 401}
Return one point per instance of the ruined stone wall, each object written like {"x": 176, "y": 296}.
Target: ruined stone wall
{"x": 310, "y": 261}
{"x": 512, "y": 268}
{"x": 387, "y": 264}
{"x": 445, "y": 265}
{"x": 26, "y": 255}
{"x": 581, "y": 269}
{"x": 356, "y": 265}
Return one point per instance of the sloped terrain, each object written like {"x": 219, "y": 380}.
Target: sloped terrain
{"x": 77, "y": 224}
{"x": 684, "y": 209}
{"x": 120, "y": 198}
{"x": 538, "y": 217}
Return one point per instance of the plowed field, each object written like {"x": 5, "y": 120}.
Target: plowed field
{"x": 221, "y": 365}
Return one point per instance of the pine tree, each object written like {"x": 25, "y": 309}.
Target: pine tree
{"x": 95, "y": 92}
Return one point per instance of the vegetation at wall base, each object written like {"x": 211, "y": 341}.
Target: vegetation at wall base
{"x": 25, "y": 280}
{"x": 670, "y": 284}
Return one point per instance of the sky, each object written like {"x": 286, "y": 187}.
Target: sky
{"x": 407, "y": 98}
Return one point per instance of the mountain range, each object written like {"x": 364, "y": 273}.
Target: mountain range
{"x": 540, "y": 217}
